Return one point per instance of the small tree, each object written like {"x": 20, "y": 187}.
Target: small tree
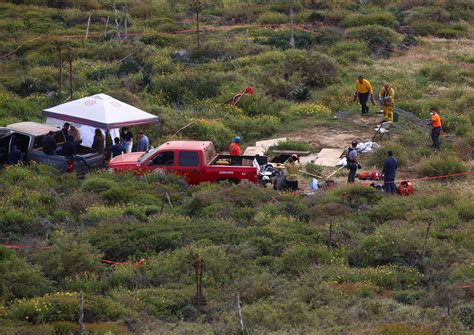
{"x": 196, "y": 7}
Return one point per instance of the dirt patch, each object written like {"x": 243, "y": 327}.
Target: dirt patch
{"x": 338, "y": 136}
{"x": 324, "y": 138}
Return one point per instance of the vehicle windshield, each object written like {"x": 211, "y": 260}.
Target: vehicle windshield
{"x": 147, "y": 155}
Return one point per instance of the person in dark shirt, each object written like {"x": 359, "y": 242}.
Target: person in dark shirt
{"x": 127, "y": 139}
{"x": 116, "y": 149}
{"x": 49, "y": 144}
{"x": 389, "y": 171}
{"x": 65, "y": 130}
{"x": 68, "y": 149}
{"x": 14, "y": 156}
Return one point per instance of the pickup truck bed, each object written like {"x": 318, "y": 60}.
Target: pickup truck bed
{"x": 239, "y": 160}
{"x": 95, "y": 161}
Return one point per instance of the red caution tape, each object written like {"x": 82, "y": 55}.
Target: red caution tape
{"x": 466, "y": 286}
{"x": 14, "y": 246}
{"x": 445, "y": 176}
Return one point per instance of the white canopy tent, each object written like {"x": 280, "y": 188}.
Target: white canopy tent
{"x": 99, "y": 111}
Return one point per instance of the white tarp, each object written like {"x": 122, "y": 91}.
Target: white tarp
{"x": 100, "y": 111}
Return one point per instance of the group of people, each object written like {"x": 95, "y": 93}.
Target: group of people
{"x": 389, "y": 170}
{"x": 101, "y": 143}
{"x": 363, "y": 90}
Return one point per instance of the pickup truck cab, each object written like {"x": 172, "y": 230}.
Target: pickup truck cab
{"x": 28, "y": 138}
{"x": 197, "y": 161}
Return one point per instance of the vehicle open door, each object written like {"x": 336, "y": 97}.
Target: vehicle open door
{"x": 5, "y": 137}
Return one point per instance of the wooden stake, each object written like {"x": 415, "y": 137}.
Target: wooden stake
{"x": 423, "y": 251}
{"x": 106, "y": 26}
{"x": 330, "y": 234}
{"x": 239, "y": 312}
{"x": 88, "y": 26}
{"x": 60, "y": 50}
{"x": 70, "y": 76}
{"x": 292, "y": 37}
{"x": 81, "y": 313}
{"x": 126, "y": 23}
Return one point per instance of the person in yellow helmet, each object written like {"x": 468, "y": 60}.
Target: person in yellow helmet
{"x": 387, "y": 96}
{"x": 363, "y": 91}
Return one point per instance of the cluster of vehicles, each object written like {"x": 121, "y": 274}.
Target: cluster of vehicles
{"x": 196, "y": 161}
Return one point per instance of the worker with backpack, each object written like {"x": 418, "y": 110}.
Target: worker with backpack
{"x": 352, "y": 162}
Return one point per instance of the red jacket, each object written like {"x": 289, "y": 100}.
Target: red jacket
{"x": 234, "y": 149}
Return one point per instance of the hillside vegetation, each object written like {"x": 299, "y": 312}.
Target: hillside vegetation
{"x": 347, "y": 260}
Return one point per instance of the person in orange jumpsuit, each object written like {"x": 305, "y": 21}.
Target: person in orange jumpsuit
{"x": 234, "y": 149}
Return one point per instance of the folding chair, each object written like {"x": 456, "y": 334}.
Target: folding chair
{"x": 382, "y": 129}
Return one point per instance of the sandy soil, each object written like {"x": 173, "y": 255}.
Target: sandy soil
{"x": 328, "y": 137}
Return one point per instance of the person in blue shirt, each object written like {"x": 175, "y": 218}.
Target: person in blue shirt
{"x": 143, "y": 142}
{"x": 116, "y": 149}
{"x": 389, "y": 171}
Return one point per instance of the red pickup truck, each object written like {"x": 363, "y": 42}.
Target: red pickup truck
{"x": 197, "y": 161}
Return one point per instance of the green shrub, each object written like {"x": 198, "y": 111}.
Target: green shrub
{"x": 97, "y": 184}
{"x": 252, "y": 127}
{"x": 440, "y": 165}
{"x": 18, "y": 279}
{"x": 15, "y": 223}
{"x": 64, "y": 306}
{"x": 387, "y": 276}
{"x": 66, "y": 328}
{"x": 465, "y": 210}
{"x": 429, "y": 13}
{"x": 465, "y": 313}
{"x": 97, "y": 213}
{"x": 368, "y": 32}
{"x": 377, "y": 156}
{"x": 387, "y": 246}
{"x": 358, "y": 196}
{"x": 169, "y": 305}
{"x": 308, "y": 109}
{"x": 385, "y": 19}
{"x": 298, "y": 258}
{"x": 68, "y": 256}
{"x": 272, "y": 18}
{"x": 348, "y": 52}
{"x": 426, "y": 27}
{"x": 119, "y": 241}
{"x": 291, "y": 145}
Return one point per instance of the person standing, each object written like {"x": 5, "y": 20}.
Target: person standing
{"x": 49, "y": 144}
{"x": 76, "y": 135}
{"x": 389, "y": 171}
{"x": 234, "y": 149}
{"x": 435, "y": 127}
{"x": 352, "y": 161}
{"x": 143, "y": 142}
{"x": 65, "y": 130}
{"x": 387, "y": 96}
{"x": 99, "y": 142}
{"x": 292, "y": 169}
{"x": 363, "y": 91}
{"x": 127, "y": 139}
